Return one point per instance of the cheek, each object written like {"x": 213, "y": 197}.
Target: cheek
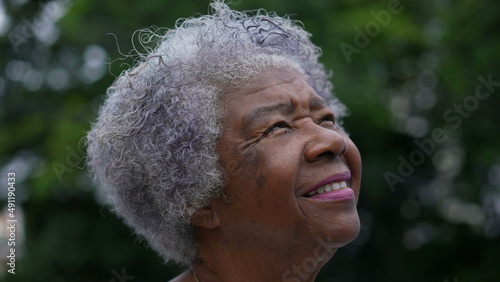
{"x": 262, "y": 173}
{"x": 255, "y": 165}
{"x": 269, "y": 168}
{"x": 239, "y": 165}
{"x": 353, "y": 158}
{"x": 245, "y": 167}
{"x": 262, "y": 193}
{"x": 261, "y": 180}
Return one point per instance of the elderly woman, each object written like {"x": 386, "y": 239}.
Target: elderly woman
{"x": 222, "y": 149}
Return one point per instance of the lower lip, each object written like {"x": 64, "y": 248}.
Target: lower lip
{"x": 345, "y": 194}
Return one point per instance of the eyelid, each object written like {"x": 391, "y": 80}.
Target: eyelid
{"x": 281, "y": 124}
{"x": 284, "y": 125}
{"x": 327, "y": 117}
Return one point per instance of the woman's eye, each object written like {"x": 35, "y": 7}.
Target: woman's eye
{"x": 328, "y": 120}
{"x": 277, "y": 127}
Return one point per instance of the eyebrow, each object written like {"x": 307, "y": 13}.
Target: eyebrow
{"x": 315, "y": 103}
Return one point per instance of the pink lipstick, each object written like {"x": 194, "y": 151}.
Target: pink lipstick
{"x": 332, "y": 188}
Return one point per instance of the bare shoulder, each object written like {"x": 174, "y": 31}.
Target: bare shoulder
{"x": 183, "y": 277}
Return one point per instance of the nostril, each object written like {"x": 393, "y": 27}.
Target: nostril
{"x": 328, "y": 154}
{"x": 332, "y": 154}
{"x": 325, "y": 146}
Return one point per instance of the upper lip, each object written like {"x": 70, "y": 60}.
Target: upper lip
{"x": 344, "y": 176}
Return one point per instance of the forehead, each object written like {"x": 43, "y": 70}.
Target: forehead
{"x": 269, "y": 88}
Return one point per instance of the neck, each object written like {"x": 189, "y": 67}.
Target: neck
{"x": 247, "y": 260}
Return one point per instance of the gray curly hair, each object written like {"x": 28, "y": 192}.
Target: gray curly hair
{"x": 153, "y": 146}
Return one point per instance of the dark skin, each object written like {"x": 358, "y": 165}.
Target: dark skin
{"x": 279, "y": 139}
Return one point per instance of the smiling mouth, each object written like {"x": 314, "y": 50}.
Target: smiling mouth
{"x": 328, "y": 188}
{"x": 332, "y": 183}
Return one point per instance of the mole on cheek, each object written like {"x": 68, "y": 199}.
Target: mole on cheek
{"x": 254, "y": 158}
{"x": 261, "y": 180}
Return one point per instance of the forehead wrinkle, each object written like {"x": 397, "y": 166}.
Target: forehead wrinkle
{"x": 316, "y": 103}
{"x": 284, "y": 108}
{"x": 281, "y": 108}
{"x": 251, "y": 87}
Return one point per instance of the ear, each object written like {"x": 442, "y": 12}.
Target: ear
{"x": 205, "y": 217}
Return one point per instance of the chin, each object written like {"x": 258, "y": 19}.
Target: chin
{"x": 345, "y": 231}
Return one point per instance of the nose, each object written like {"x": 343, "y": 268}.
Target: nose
{"x": 324, "y": 143}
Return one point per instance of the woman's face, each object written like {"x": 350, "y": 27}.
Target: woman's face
{"x": 279, "y": 143}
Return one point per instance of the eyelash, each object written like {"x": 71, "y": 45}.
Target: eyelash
{"x": 283, "y": 124}
{"x": 328, "y": 118}
{"x": 280, "y": 124}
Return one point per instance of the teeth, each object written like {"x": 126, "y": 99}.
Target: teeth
{"x": 336, "y": 186}
{"x": 328, "y": 188}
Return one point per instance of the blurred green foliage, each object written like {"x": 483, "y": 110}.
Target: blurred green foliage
{"x": 442, "y": 223}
